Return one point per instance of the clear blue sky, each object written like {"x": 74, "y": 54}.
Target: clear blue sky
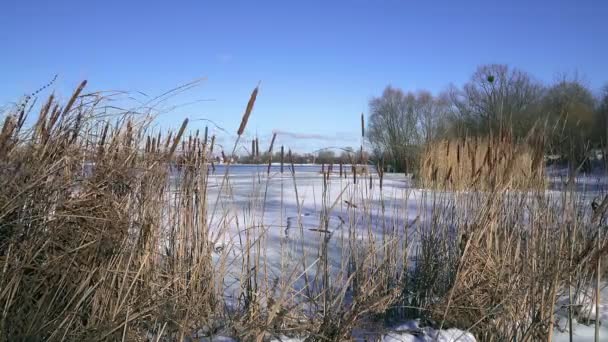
{"x": 319, "y": 61}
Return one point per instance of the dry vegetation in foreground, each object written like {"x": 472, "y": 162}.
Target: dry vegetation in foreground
{"x": 106, "y": 230}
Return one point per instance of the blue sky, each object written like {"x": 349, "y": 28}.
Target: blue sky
{"x": 319, "y": 62}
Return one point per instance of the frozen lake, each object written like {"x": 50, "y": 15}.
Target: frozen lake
{"x": 286, "y": 221}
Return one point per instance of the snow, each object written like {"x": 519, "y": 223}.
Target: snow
{"x": 217, "y": 339}
{"x": 412, "y": 332}
{"x": 287, "y": 208}
{"x": 581, "y": 333}
{"x": 590, "y": 186}
{"x": 288, "y": 214}
{"x": 584, "y": 311}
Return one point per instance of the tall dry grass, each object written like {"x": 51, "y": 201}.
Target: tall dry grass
{"x": 483, "y": 163}
{"x": 93, "y": 244}
{"x": 495, "y": 261}
{"x": 109, "y": 231}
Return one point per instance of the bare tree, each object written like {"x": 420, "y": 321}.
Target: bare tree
{"x": 432, "y": 114}
{"x": 326, "y": 157}
{"x": 393, "y": 126}
{"x": 496, "y": 97}
{"x": 600, "y": 133}
{"x": 570, "y": 109}
{"x": 348, "y": 155}
{"x": 401, "y": 122}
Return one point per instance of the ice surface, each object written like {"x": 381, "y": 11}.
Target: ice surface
{"x": 287, "y": 210}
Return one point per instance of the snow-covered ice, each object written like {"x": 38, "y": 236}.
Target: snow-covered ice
{"x": 584, "y": 312}
{"x": 411, "y": 331}
{"x": 287, "y": 210}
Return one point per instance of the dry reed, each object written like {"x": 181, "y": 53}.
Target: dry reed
{"x": 107, "y": 234}
{"x": 482, "y": 164}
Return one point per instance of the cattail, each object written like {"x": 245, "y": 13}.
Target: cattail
{"x": 537, "y": 159}
{"x": 7, "y": 132}
{"x": 269, "y": 165}
{"x": 362, "y": 126}
{"x": 206, "y": 134}
{"x": 40, "y": 125}
{"x": 248, "y": 110}
{"x": 381, "y": 172}
{"x": 104, "y": 133}
{"x": 274, "y": 136}
{"x": 252, "y": 148}
{"x": 199, "y": 150}
{"x": 473, "y": 168}
{"x": 509, "y": 169}
{"x": 486, "y": 158}
{"x": 257, "y": 148}
{"x": 370, "y": 182}
{"x": 21, "y": 119}
{"x": 212, "y": 144}
{"x": 282, "y": 157}
{"x": 54, "y": 116}
{"x": 354, "y": 174}
{"x": 340, "y": 169}
{"x": 75, "y": 95}
{"x": 178, "y": 137}
{"x": 293, "y": 168}
{"x": 224, "y": 157}
{"x": 448, "y": 176}
{"x": 76, "y": 128}
{"x": 153, "y": 145}
{"x": 129, "y": 133}
{"x": 168, "y": 141}
{"x": 360, "y": 155}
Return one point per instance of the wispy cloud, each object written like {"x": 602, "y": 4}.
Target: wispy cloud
{"x": 313, "y": 136}
{"x": 224, "y": 57}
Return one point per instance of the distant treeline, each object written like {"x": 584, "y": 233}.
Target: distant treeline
{"x": 347, "y": 155}
{"x": 496, "y": 99}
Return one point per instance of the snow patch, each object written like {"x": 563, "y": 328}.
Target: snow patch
{"x": 217, "y": 339}
{"x": 412, "y": 332}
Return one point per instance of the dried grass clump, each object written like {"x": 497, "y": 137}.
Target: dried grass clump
{"x": 516, "y": 255}
{"x": 93, "y": 246}
{"x": 482, "y": 163}
{"x": 106, "y": 233}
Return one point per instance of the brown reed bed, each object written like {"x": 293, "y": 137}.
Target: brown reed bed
{"x": 108, "y": 232}
{"x": 84, "y": 209}
{"x": 483, "y": 163}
